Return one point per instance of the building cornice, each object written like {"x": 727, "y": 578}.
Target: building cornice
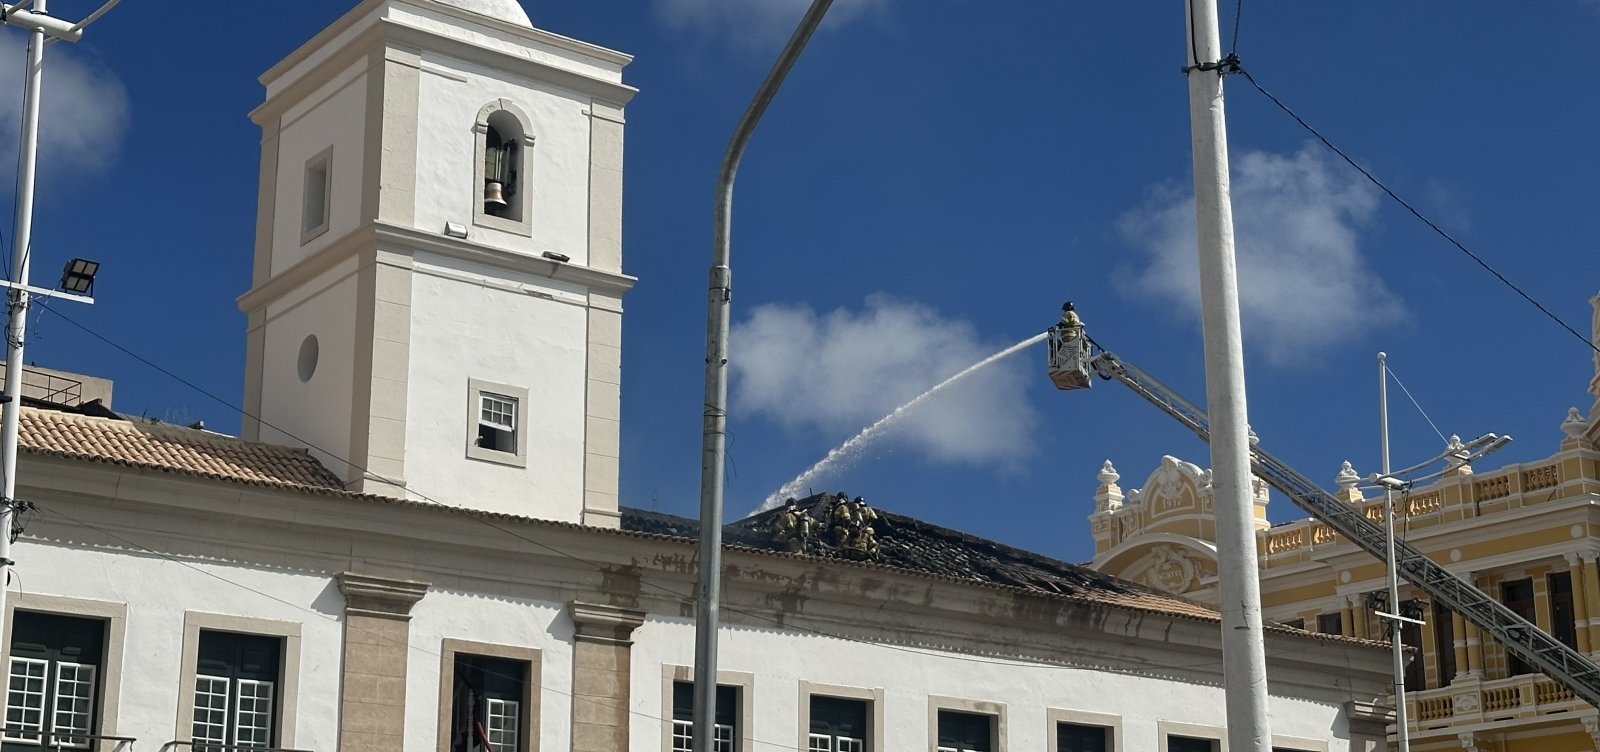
{"x": 392, "y": 240}
{"x": 387, "y": 31}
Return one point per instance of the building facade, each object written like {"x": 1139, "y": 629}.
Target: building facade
{"x": 1527, "y": 534}
{"x": 417, "y": 543}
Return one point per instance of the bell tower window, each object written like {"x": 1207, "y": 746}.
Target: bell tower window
{"x": 501, "y": 192}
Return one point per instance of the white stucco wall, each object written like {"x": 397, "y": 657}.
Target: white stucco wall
{"x": 453, "y": 92}
{"x": 514, "y": 43}
{"x": 334, "y": 115}
{"x": 157, "y": 593}
{"x": 523, "y": 331}
{"x": 448, "y": 614}
{"x": 781, "y": 660}
{"x": 317, "y": 412}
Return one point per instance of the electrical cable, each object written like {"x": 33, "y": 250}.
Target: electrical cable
{"x": 478, "y": 516}
{"x": 1413, "y": 210}
{"x": 1401, "y": 384}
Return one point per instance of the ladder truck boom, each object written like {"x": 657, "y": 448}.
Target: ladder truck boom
{"x": 1072, "y": 360}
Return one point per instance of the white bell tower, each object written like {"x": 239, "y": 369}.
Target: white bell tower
{"x": 435, "y": 305}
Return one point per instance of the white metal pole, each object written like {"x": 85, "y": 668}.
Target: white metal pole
{"x": 1243, "y": 651}
{"x": 1395, "y": 645}
{"x": 713, "y": 446}
{"x": 17, "y": 325}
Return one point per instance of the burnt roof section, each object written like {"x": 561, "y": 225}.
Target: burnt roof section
{"x": 924, "y": 548}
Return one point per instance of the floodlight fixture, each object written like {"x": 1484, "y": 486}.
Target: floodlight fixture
{"x": 77, "y": 276}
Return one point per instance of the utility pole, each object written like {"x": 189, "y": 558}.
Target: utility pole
{"x": 1396, "y": 647}
{"x": 1243, "y": 651}
{"x": 38, "y": 22}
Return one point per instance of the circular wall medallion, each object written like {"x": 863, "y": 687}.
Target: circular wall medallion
{"x": 309, "y": 351}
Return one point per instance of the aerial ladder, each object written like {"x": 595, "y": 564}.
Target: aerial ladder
{"x": 1074, "y": 357}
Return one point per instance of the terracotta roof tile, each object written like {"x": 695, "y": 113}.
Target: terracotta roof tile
{"x": 161, "y": 446}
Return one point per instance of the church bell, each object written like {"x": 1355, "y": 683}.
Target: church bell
{"x": 493, "y": 195}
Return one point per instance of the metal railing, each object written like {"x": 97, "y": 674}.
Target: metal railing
{"x": 61, "y": 741}
{"x": 216, "y": 747}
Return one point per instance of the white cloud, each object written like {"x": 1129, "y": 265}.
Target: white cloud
{"x": 839, "y": 372}
{"x": 754, "y": 23}
{"x": 83, "y": 107}
{"x": 1304, "y": 285}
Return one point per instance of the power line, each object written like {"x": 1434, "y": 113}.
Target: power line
{"x": 1236, "y": 68}
{"x": 478, "y": 516}
{"x": 1401, "y": 384}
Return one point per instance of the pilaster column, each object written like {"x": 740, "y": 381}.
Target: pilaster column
{"x": 601, "y": 659}
{"x": 377, "y": 633}
{"x": 1580, "y": 603}
{"x": 1475, "y": 639}
{"x": 1347, "y": 618}
{"x": 1591, "y": 598}
{"x": 1358, "y": 612}
{"x": 1458, "y": 627}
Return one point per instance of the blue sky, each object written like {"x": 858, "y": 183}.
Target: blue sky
{"x": 933, "y": 180}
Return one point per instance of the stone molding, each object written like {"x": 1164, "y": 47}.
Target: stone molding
{"x": 595, "y": 622}
{"x": 380, "y": 597}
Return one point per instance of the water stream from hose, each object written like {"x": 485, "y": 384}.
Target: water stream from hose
{"x": 847, "y": 453}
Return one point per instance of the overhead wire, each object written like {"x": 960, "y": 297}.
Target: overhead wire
{"x": 1402, "y": 385}
{"x": 478, "y": 516}
{"x": 1241, "y": 70}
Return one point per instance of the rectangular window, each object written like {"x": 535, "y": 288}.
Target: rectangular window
{"x": 1190, "y": 744}
{"x": 1416, "y": 668}
{"x": 1296, "y": 623}
{"x": 52, "y": 691}
{"x": 838, "y": 724}
{"x": 965, "y": 732}
{"x": 1444, "y": 642}
{"x": 496, "y": 423}
{"x": 1518, "y": 596}
{"x": 1561, "y": 613}
{"x": 235, "y": 690}
{"x": 1075, "y": 737}
{"x": 1329, "y": 623}
{"x": 723, "y": 728}
{"x": 486, "y": 704}
{"x": 314, "y": 206}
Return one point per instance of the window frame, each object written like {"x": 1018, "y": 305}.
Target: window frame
{"x": 1112, "y": 723}
{"x": 1165, "y": 730}
{"x": 995, "y": 710}
{"x": 477, "y": 389}
{"x": 523, "y": 189}
{"x": 286, "y": 691}
{"x": 108, "y": 689}
{"x": 323, "y": 161}
{"x": 528, "y": 725}
{"x": 873, "y": 697}
{"x": 744, "y": 686}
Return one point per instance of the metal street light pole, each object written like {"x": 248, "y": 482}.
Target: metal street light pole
{"x": 39, "y": 23}
{"x": 714, "y": 437}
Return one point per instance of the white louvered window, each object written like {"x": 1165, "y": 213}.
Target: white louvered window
{"x": 52, "y": 685}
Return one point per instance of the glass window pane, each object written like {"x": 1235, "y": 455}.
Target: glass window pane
{"x": 682, "y": 736}
{"x": 210, "y": 710}
{"x": 253, "y": 714}
{"x": 74, "y": 702}
{"x": 25, "y": 698}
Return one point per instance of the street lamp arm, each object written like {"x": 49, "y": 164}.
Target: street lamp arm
{"x": 16, "y": 15}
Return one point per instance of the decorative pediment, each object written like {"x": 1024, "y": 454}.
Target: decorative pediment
{"x": 1172, "y": 563}
{"x": 1175, "y": 486}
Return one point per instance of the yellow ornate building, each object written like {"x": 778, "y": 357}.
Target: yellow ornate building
{"x": 1527, "y": 534}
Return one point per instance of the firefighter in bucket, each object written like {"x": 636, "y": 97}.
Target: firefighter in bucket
{"x": 1069, "y": 351}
